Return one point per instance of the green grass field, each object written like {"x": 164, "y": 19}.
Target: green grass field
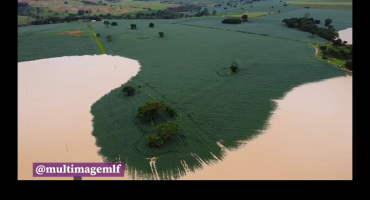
{"x": 23, "y": 20}
{"x": 319, "y": 3}
{"x": 344, "y": 5}
{"x": 188, "y": 70}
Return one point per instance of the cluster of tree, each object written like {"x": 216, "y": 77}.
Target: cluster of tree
{"x": 164, "y": 133}
{"x": 233, "y": 20}
{"x": 128, "y": 90}
{"x": 338, "y": 49}
{"x": 201, "y": 13}
{"x": 151, "y": 109}
{"x": 23, "y": 8}
{"x": 309, "y": 25}
{"x": 307, "y": 7}
{"x": 93, "y": 3}
{"x": 106, "y": 23}
{"x": 53, "y": 20}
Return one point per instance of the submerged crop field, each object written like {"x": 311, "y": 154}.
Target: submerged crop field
{"x": 187, "y": 69}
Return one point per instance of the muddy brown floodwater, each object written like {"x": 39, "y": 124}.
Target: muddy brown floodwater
{"x": 54, "y": 100}
{"x": 309, "y": 138}
{"x": 346, "y": 35}
{"x": 310, "y": 134}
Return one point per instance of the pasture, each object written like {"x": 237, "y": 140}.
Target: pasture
{"x": 188, "y": 70}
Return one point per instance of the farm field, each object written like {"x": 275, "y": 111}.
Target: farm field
{"x": 343, "y": 5}
{"x": 342, "y": 19}
{"x": 236, "y": 109}
{"x": 319, "y": 3}
{"x": 48, "y": 41}
{"x": 113, "y": 8}
{"x": 259, "y": 26}
{"x": 23, "y": 20}
{"x": 262, "y": 6}
{"x": 188, "y": 69}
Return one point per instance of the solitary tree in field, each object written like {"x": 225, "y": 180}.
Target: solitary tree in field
{"x": 109, "y": 38}
{"x": 98, "y": 35}
{"x": 151, "y": 25}
{"x": 133, "y": 26}
{"x": 234, "y": 67}
{"x": 272, "y": 6}
{"x": 214, "y": 12}
{"x": 161, "y": 34}
{"x": 106, "y": 23}
{"x": 129, "y": 90}
{"x": 245, "y": 18}
{"x": 150, "y": 110}
{"x": 328, "y": 22}
{"x": 114, "y": 24}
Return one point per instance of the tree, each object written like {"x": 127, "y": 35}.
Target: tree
{"x": 205, "y": 12}
{"x": 330, "y": 27}
{"x": 151, "y": 25}
{"x": 98, "y": 35}
{"x": 234, "y": 67}
{"x": 272, "y": 6}
{"x": 65, "y": 2}
{"x": 106, "y": 23}
{"x": 129, "y": 90}
{"x": 307, "y": 15}
{"x": 161, "y": 34}
{"x": 155, "y": 141}
{"x": 323, "y": 48}
{"x": 349, "y": 64}
{"x": 165, "y": 131}
{"x": 114, "y": 24}
{"x": 328, "y": 22}
{"x": 133, "y": 26}
{"x": 150, "y": 109}
{"x": 317, "y": 21}
{"x": 80, "y": 12}
{"x": 214, "y": 12}
{"x": 279, "y": 11}
{"x": 109, "y": 38}
{"x": 245, "y": 18}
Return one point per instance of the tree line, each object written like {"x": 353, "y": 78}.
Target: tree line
{"x": 307, "y": 24}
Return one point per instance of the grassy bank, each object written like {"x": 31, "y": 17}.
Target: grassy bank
{"x": 96, "y": 39}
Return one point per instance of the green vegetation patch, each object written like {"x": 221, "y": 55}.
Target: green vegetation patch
{"x": 24, "y": 20}
{"x": 45, "y": 41}
{"x": 211, "y": 107}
